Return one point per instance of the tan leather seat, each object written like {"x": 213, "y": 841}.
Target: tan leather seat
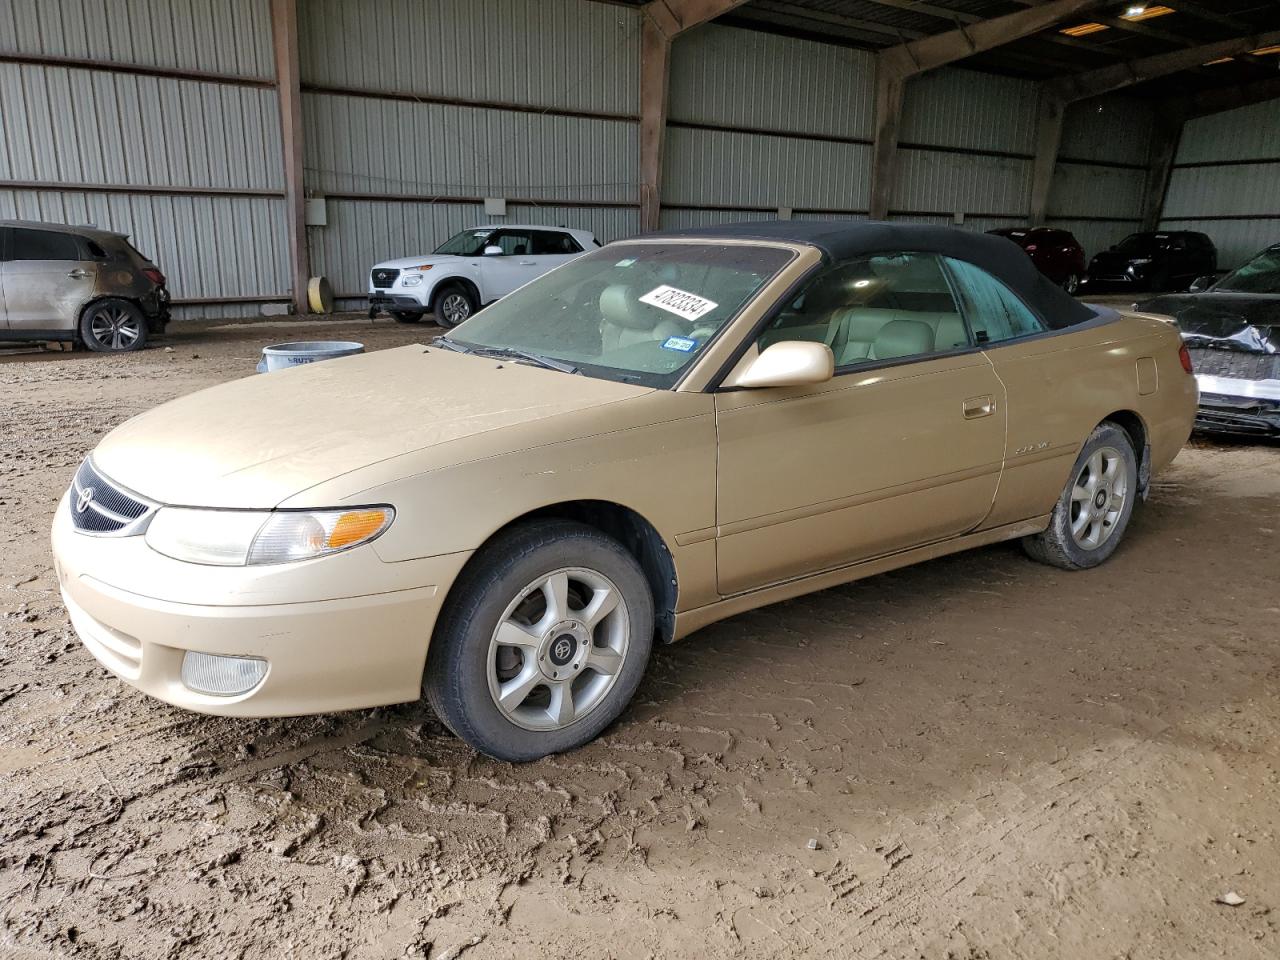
{"x": 902, "y": 338}
{"x": 853, "y": 331}
{"x": 626, "y": 321}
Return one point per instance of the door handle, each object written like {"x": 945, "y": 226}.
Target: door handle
{"x": 78, "y": 274}
{"x": 976, "y": 407}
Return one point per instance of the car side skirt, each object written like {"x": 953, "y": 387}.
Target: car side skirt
{"x": 690, "y": 620}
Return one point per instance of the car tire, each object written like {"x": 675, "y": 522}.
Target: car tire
{"x": 113, "y": 326}
{"x": 1072, "y": 283}
{"x": 405, "y": 316}
{"x": 570, "y": 672}
{"x": 453, "y": 303}
{"x": 1093, "y": 512}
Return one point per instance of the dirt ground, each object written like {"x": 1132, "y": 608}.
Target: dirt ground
{"x": 996, "y": 759}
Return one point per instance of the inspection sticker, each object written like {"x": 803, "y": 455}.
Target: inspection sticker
{"x": 683, "y": 344}
{"x": 677, "y": 301}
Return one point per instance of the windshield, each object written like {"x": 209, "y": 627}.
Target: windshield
{"x": 468, "y": 243}
{"x": 1259, "y": 275}
{"x": 638, "y": 312}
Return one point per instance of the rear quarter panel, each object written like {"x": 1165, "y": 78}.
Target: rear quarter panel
{"x": 1062, "y": 385}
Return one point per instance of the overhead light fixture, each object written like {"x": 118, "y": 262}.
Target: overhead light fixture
{"x": 1211, "y": 63}
{"x": 1141, "y": 11}
{"x": 1266, "y": 51}
{"x": 1083, "y": 29}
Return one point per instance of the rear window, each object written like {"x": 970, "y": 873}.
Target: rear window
{"x": 42, "y": 245}
{"x": 551, "y": 243}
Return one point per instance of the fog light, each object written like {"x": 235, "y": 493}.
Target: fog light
{"x": 221, "y": 676}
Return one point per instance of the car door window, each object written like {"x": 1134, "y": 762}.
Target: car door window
{"x": 875, "y": 308}
{"x": 513, "y": 243}
{"x": 993, "y": 310}
{"x": 551, "y": 243}
{"x": 42, "y": 245}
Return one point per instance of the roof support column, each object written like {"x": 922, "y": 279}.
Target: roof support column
{"x": 1164, "y": 147}
{"x": 890, "y": 84}
{"x": 1051, "y": 112}
{"x": 284, "y": 32}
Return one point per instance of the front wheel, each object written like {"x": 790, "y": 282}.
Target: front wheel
{"x": 543, "y": 641}
{"x": 453, "y": 304}
{"x": 113, "y": 326}
{"x": 1091, "y": 515}
{"x": 1072, "y": 283}
{"x": 405, "y": 316}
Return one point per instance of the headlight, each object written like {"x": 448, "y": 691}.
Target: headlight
{"x": 1141, "y": 261}
{"x": 236, "y": 538}
{"x": 411, "y": 281}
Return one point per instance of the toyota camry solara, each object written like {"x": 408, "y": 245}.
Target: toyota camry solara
{"x": 662, "y": 433}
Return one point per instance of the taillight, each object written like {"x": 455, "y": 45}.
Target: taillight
{"x": 1030, "y": 248}
{"x": 154, "y": 275}
{"x": 1185, "y": 356}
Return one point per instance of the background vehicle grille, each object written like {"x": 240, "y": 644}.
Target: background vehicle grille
{"x": 383, "y": 278}
{"x": 1236, "y": 364}
{"x": 109, "y": 509}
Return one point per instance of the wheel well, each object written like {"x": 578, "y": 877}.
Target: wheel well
{"x": 640, "y": 539}
{"x": 463, "y": 282}
{"x": 1132, "y": 424}
{"x": 109, "y": 296}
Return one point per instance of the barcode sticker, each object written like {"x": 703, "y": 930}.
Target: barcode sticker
{"x": 690, "y": 306}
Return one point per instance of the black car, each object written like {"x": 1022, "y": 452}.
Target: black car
{"x": 1232, "y": 330}
{"x": 1164, "y": 260}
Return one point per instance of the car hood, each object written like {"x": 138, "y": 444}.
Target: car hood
{"x": 407, "y": 263}
{"x": 1234, "y": 321}
{"x": 258, "y": 441}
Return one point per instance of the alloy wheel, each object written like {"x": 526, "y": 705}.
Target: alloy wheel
{"x": 455, "y": 308}
{"x": 558, "y": 649}
{"x": 1098, "y": 498}
{"x": 114, "y": 328}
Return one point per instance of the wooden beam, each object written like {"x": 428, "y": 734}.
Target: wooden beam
{"x": 1095, "y": 83}
{"x": 1050, "y": 114}
{"x": 1164, "y": 147}
{"x": 895, "y": 65}
{"x": 661, "y": 22}
{"x": 284, "y": 32}
{"x": 1225, "y": 98}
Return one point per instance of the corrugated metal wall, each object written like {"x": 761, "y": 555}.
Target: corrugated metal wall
{"x": 190, "y": 168}
{"x": 1226, "y": 181}
{"x": 483, "y": 98}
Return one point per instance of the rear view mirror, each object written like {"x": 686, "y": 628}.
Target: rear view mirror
{"x": 493, "y": 250}
{"x": 1202, "y": 283}
{"x": 791, "y": 363}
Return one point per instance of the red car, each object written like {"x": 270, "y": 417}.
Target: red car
{"x": 1056, "y": 253}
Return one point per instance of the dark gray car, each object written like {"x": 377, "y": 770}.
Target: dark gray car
{"x": 59, "y": 282}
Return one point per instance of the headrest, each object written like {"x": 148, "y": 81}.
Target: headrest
{"x": 621, "y": 309}
{"x": 902, "y": 338}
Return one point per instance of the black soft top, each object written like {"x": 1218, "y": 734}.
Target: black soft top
{"x": 846, "y": 239}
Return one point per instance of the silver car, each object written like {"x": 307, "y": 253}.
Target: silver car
{"x": 91, "y": 286}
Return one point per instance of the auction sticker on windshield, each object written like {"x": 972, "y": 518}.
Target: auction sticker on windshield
{"x": 690, "y": 306}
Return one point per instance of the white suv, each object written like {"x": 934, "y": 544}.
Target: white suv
{"x": 470, "y": 269}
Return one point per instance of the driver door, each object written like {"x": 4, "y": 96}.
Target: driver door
{"x": 511, "y": 269}
{"x": 903, "y": 446}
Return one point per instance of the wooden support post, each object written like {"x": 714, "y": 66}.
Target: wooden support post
{"x": 284, "y": 29}
{"x": 1164, "y": 147}
{"x": 890, "y": 84}
{"x": 655, "y": 73}
{"x": 1049, "y": 119}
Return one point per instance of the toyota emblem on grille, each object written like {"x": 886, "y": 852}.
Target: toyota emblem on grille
{"x": 84, "y": 499}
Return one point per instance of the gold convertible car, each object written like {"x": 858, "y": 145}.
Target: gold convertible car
{"x": 662, "y": 433}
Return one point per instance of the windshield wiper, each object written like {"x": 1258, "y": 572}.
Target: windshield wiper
{"x": 551, "y": 363}
{"x": 445, "y": 343}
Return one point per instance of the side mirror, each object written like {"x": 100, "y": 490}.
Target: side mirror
{"x": 791, "y": 363}
{"x": 493, "y": 250}
{"x": 1202, "y": 283}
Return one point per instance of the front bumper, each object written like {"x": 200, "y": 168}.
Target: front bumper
{"x": 381, "y": 300}
{"x": 1248, "y": 407}
{"x": 324, "y": 654}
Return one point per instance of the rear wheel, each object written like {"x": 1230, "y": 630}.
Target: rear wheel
{"x": 543, "y": 641}
{"x": 1094, "y": 509}
{"x": 1072, "y": 283}
{"x": 113, "y": 326}
{"x": 453, "y": 304}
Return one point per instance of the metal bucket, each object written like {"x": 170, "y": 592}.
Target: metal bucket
{"x": 283, "y": 355}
